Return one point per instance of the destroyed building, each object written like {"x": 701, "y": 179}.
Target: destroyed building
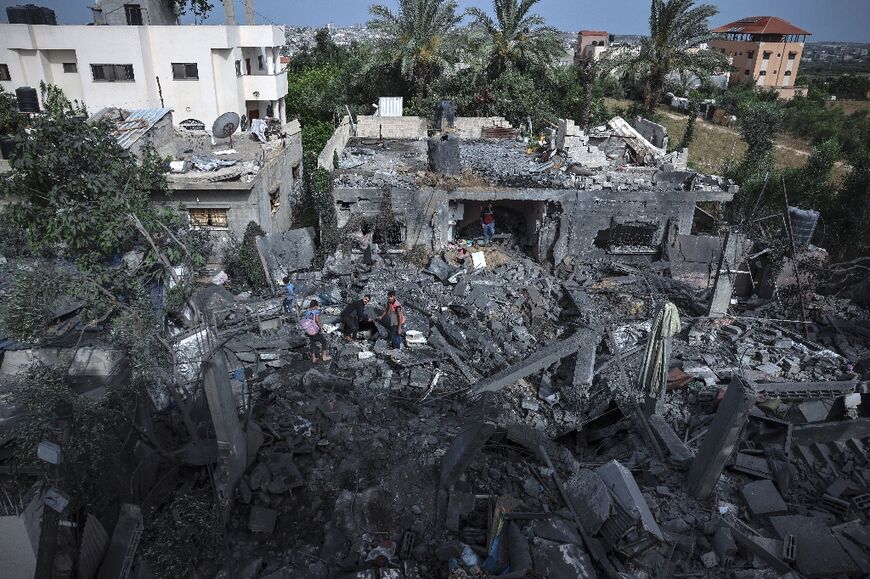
{"x": 606, "y": 193}
{"x": 223, "y": 183}
{"x": 596, "y": 394}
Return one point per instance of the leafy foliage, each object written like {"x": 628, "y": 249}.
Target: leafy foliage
{"x": 184, "y": 537}
{"x": 416, "y": 36}
{"x": 26, "y": 312}
{"x": 242, "y": 261}
{"x": 199, "y": 8}
{"x": 12, "y": 122}
{"x": 91, "y": 433}
{"x": 77, "y": 187}
{"x": 677, "y": 29}
{"x": 690, "y": 125}
{"x": 516, "y": 40}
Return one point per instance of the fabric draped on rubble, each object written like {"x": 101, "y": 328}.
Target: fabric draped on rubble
{"x": 653, "y": 376}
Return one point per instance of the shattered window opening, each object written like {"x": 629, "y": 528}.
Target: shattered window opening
{"x": 211, "y": 217}
{"x": 4, "y": 72}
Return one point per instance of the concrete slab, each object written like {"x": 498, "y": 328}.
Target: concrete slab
{"x": 463, "y": 450}
{"x": 677, "y": 451}
{"x": 721, "y": 438}
{"x": 561, "y": 561}
{"x": 590, "y": 498}
{"x": 763, "y": 499}
{"x": 534, "y": 363}
{"x": 625, "y": 491}
{"x": 818, "y": 553}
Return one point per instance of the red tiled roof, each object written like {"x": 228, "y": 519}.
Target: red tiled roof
{"x": 761, "y": 25}
{"x": 593, "y": 32}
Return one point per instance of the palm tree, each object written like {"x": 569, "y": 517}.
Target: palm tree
{"x": 517, "y": 39}
{"x": 415, "y": 37}
{"x": 678, "y": 29}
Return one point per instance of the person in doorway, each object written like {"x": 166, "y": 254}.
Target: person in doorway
{"x": 393, "y": 319}
{"x": 353, "y": 316}
{"x": 310, "y": 322}
{"x": 487, "y": 222}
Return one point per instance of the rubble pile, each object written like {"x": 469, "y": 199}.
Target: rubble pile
{"x": 508, "y": 438}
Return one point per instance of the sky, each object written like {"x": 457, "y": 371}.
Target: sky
{"x": 844, "y": 20}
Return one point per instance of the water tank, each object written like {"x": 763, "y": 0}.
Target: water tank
{"x": 803, "y": 224}
{"x": 444, "y": 154}
{"x": 445, "y": 115}
{"x": 31, "y": 14}
{"x": 28, "y": 101}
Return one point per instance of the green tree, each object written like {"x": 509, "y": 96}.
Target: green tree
{"x": 199, "y": 8}
{"x": 316, "y": 94}
{"x": 677, "y": 29}
{"x": 415, "y": 37}
{"x": 689, "y": 134}
{"x": 73, "y": 189}
{"x": 759, "y": 124}
{"x": 516, "y": 39}
{"x": 12, "y": 122}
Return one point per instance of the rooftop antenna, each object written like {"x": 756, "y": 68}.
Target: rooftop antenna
{"x": 225, "y": 125}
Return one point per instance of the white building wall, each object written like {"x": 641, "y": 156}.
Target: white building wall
{"x": 37, "y": 53}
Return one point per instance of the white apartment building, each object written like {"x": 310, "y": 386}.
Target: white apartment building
{"x": 198, "y": 71}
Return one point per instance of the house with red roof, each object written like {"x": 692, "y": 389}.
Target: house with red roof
{"x": 764, "y": 50}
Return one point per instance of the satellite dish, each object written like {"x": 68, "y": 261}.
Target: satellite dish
{"x": 225, "y": 126}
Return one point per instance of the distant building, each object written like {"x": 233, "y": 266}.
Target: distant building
{"x": 591, "y": 44}
{"x": 138, "y": 57}
{"x": 765, "y": 50}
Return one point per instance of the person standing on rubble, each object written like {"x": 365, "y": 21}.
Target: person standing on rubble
{"x": 353, "y": 316}
{"x": 393, "y": 319}
{"x": 310, "y": 322}
{"x": 487, "y": 222}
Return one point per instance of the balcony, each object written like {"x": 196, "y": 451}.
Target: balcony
{"x": 264, "y": 87}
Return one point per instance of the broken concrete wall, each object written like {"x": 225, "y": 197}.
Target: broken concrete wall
{"x": 652, "y": 132}
{"x": 287, "y": 252}
{"x": 371, "y": 127}
{"x": 585, "y": 227}
{"x": 471, "y": 127}
{"x": 336, "y": 144}
{"x": 267, "y": 199}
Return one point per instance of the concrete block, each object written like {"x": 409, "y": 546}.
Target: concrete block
{"x": 721, "y": 438}
{"x": 668, "y": 438}
{"x": 590, "y": 498}
{"x": 463, "y": 450}
{"x": 551, "y": 559}
{"x": 535, "y": 362}
{"x": 763, "y": 499}
{"x": 625, "y": 491}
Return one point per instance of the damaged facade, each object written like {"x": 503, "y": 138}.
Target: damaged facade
{"x": 606, "y": 193}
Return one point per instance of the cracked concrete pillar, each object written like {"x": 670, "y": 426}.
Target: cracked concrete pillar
{"x": 231, "y": 441}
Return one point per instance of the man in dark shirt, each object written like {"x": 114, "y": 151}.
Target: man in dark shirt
{"x": 354, "y": 315}
{"x": 487, "y": 222}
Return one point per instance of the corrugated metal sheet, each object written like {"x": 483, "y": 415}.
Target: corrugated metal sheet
{"x": 390, "y": 106}
{"x": 137, "y": 124}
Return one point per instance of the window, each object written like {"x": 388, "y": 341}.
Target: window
{"x": 766, "y": 55}
{"x": 112, "y": 72}
{"x": 746, "y": 72}
{"x": 70, "y": 67}
{"x": 750, "y": 54}
{"x": 295, "y": 171}
{"x": 762, "y": 73}
{"x": 792, "y": 55}
{"x": 4, "y": 72}
{"x": 260, "y": 62}
{"x": 238, "y": 68}
{"x": 788, "y": 73}
{"x": 134, "y": 14}
{"x": 209, "y": 217}
{"x": 185, "y": 71}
